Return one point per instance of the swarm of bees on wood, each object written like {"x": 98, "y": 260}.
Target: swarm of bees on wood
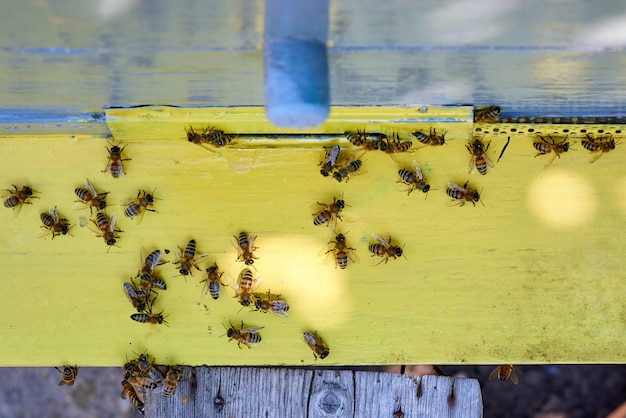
{"x": 142, "y": 290}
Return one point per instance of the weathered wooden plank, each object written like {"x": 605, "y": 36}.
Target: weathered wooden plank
{"x": 277, "y": 392}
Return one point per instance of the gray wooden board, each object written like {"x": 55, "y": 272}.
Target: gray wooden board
{"x": 281, "y": 392}
{"x": 530, "y": 56}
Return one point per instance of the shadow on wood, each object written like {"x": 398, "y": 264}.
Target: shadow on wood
{"x": 276, "y": 392}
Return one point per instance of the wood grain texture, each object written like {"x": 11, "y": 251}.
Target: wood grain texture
{"x": 275, "y": 392}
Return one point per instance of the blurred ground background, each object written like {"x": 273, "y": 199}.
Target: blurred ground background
{"x": 555, "y": 391}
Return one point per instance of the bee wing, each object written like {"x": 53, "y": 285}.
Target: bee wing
{"x": 79, "y": 205}
{"x": 94, "y": 227}
{"x": 53, "y": 212}
{"x": 380, "y": 240}
{"x": 127, "y": 202}
{"x": 112, "y": 222}
{"x": 177, "y": 253}
{"x": 201, "y": 257}
{"x": 454, "y": 186}
{"x": 251, "y": 330}
{"x": 233, "y": 285}
{"x": 139, "y": 216}
{"x": 251, "y": 238}
{"x": 91, "y": 189}
{"x": 472, "y": 165}
{"x": 514, "y": 377}
{"x": 418, "y": 170}
{"x": 352, "y": 256}
{"x": 43, "y": 232}
{"x": 550, "y": 160}
{"x": 488, "y": 160}
{"x": 494, "y": 373}
{"x": 17, "y": 209}
{"x": 256, "y": 282}
{"x": 592, "y": 160}
{"x": 235, "y": 242}
{"x": 130, "y": 292}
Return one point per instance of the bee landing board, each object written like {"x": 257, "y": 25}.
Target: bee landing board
{"x": 529, "y": 273}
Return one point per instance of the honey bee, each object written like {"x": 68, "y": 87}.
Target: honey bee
{"x": 356, "y": 138}
{"x": 341, "y": 251}
{"x": 146, "y": 367}
{"x": 212, "y": 282}
{"x": 105, "y": 227}
{"x": 68, "y": 375}
{"x": 172, "y": 377}
{"x": 599, "y": 146}
{"x": 545, "y": 147}
{"x": 330, "y": 213}
{"x": 135, "y": 398}
{"x": 315, "y": 342}
{"x": 396, "y": 145}
{"x": 504, "y": 372}
{"x": 90, "y": 198}
{"x": 149, "y": 317}
{"x": 140, "y": 302}
{"x": 462, "y": 195}
{"x": 53, "y": 224}
{"x": 383, "y": 248}
{"x": 487, "y": 114}
{"x": 329, "y": 160}
{"x": 274, "y": 305}
{"x": 248, "y": 336}
{"x": 430, "y": 139}
{"x": 245, "y": 287}
{"x": 245, "y": 247}
{"x": 147, "y": 283}
{"x": 142, "y": 383}
{"x": 17, "y": 198}
{"x": 210, "y": 136}
{"x": 479, "y": 160}
{"x": 414, "y": 178}
{"x": 115, "y": 165}
{"x": 348, "y": 169}
{"x": 151, "y": 261}
{"x": 138, "y": 206}
{"x": 188, "y": 258}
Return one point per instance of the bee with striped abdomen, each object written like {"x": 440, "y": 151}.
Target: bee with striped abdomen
{"x": 480, "y": 160}
{"x": 138, "y": 299}
{"x": 315, "y": 343}
{"x": 105, "y": 227}
{"x": 383, "y": 248}
{"x": 271, "y": 304}
{"x": 68, "y": 375}
{"x": 138, "y": 206}
{"x": 53, "y": 224}
{"x": 341, "y": 251}
{"x": 544, "y": 147}
{"x": 347, "y": 170}
{"x": 149, "y": 318}
{"x": 486, "y": 114}
{"x": 245, "y": 286}
{"x": 356, "y": 138}
{"x": 90, "y": 198}
{"x": 172, "y": 378}
{"x": 415, "y": 179}
{"x": 599, "y": 146}
{"x": 212, "y": 283}
{"x": 244, "y": 244}
{"x": 248, "y": 336}
{"x": 462, "y": 195}
{"x": 115, "y": 165}
{"x": 187, "y": 260}
{"x": 15, "y": 199}
{"x": 430, "y": 139}
{"x": 135, "y": 398}
{"x": 330, "y": 213}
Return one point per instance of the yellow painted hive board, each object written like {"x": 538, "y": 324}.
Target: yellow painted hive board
{"x": 534, "y": 275}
